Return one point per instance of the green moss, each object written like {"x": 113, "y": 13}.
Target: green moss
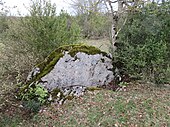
{"x": 55, "y": 93}
{"x": 62, "y": 97}
{"x": 70, "y": 97}
{"x": 48, "y": 64}
{"x": 90, "y": 50}
{"x": 93, "y": 88}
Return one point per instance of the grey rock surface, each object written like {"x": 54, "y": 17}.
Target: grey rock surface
{"x": 78, "y": 72}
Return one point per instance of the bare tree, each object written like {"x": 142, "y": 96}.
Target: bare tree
{"x": 86, "y": 6}
{"x": 88, "y": 12}
{"x": 90, "y": 7}
{"x": 116, "y": 9}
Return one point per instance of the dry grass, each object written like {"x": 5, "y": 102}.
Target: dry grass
{"x": 103, "y": 44}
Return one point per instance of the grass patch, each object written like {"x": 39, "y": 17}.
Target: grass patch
{"x": 140, "y": 105}
{"x": 102, "y": 44}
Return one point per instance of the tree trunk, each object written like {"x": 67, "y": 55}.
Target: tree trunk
{"x": 115, "y": 18}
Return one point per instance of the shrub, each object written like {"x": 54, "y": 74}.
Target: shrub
{"x": 36, "y": 92}
{"x": 30, "y": 39}
{"x": 144, "y": 43}
{"x": 43, "y": 31}
{"x": 34, "y": 97}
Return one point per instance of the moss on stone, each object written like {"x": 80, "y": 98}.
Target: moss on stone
{"x": 90, "y": 50}
{"x": 55, "y": 93}
{"x": 48, "y": 64}
{"x": 62, "y": 97}
{"x": 93, "y": 88}
{"x": 69, "y": 97}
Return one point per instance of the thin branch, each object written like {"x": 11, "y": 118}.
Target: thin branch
{"x": 111, "y": 8}
{"x": 106, "y": 5}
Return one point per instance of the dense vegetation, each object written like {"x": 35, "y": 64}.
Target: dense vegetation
{"x": 144, "y": 43}
{"x": 43, "y": 31}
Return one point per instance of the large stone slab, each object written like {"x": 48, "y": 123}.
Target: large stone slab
{"x": 72, "y": 69}
{"x": 81, "y": 70}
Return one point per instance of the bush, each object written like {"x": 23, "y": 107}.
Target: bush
{"x": 43, "y": 31}
{"x": 33, "y": 97}
{"x": 144, "y": 43}
{"x": 27, "y": 40}
{"x": 36, "y": 92}
{"x": 30, "y": 39}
